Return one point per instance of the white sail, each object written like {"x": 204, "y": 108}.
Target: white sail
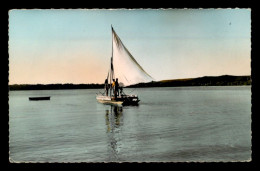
{"x": 125, "y": 67}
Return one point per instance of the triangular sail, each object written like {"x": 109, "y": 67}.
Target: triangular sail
{"x": 125, "y": 67}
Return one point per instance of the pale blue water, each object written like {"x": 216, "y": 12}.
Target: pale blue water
{"x": 170, "y": 124}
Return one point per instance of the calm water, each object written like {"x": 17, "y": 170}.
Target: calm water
{"x": 170, "y": 124}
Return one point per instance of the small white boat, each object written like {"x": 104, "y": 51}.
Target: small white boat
{"x": 124, "y": 67}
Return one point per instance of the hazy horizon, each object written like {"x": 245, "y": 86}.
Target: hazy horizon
{"x": 74, "y": 46}
{"x": 157, "y": 80}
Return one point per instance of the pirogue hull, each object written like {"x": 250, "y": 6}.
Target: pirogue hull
{"x": 121, "y": 100}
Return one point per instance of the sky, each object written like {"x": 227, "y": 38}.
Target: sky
{"x": 75, "y": 46}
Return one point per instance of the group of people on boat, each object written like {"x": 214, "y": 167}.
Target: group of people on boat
{"x": 115, "y": 87}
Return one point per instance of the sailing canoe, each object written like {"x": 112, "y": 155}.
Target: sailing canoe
{"x": 125, "y": 69}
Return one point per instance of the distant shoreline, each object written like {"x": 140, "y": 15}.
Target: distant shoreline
{"x": 224, "y": 80}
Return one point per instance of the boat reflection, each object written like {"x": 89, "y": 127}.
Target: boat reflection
{"x": 114, "y": 118}
{"x": 114, "y": 121}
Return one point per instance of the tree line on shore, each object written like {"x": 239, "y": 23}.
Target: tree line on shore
{"x": 53, "y": 86}
{"x": 225, "y": 80}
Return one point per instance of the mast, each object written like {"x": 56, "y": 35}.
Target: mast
{"x": 111, "y": 66}
{"x": 112, "y": 61}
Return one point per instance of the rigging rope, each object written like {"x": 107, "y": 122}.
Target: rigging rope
{"x": 132, "y": 91}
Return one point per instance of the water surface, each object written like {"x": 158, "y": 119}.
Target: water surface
{"x": 170, "y": 124}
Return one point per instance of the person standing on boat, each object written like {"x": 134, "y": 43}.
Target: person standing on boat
{"x": 116, "y": 88}
{"x": 113, "y": 86}
{"x": 106, "y": 87}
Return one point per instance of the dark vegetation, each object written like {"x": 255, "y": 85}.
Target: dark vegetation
{"x": 225, "y": 80}
{"x": 53, "y": 86}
